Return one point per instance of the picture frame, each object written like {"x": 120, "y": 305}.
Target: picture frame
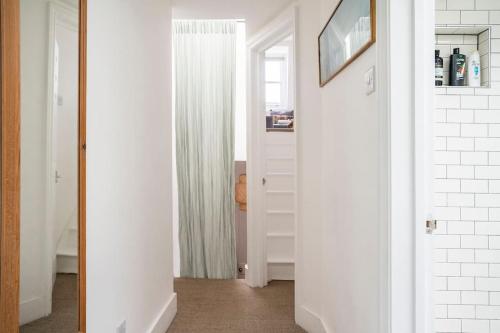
{"x": 349, "y": 32}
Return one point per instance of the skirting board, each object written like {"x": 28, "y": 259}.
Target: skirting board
{"x": 31, "y": 310}
{"x": 164, "y": 320}
{"x": 309, "y": 321}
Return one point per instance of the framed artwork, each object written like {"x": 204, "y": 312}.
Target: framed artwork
{"x": 349, "y": 32}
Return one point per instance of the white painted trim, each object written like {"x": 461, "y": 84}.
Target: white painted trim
{"x": 166, "y": 316}
{"x": 60, "y": 14}
{"x": 401, "y": 166}
{"x": 383, "y": 97}
{"x": 283, "y": 26}
{"x": 407, "y": 83}
{"x": 31, "y": 310}
{"x": 424, "y": 44}
{"x": 309, "y": 321}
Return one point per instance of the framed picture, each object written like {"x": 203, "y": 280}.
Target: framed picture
{"x": 350, "y": 31}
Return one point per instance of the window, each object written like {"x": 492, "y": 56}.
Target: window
{"x": 276, "y": 87}
{"x": 279, "y": 92}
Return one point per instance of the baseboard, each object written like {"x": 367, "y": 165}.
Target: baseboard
{"x": 31, "y": 310}
{"x": 164, "y": 320}
{"x": 309, "y": 321}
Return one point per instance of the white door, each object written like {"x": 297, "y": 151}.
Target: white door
{"x": 279, "y": 161}
{"x": 279, "y": 195}
{"x": 65, "y": 139}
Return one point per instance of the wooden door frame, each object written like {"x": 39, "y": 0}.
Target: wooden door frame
{"x": 10, "y": 165}
{"x": 82, "y": 168}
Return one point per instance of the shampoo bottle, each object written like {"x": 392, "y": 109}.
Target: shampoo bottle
{"x": 474, "y": 70}
{"x": 439, "y": 72}
{"x": 457, "y": 68}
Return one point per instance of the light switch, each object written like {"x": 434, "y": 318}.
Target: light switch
{"x": 370, "y": 81}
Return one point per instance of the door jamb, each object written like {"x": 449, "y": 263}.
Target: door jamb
{"x": 82, "y": 169}
{"x": 283, "y": 26}
{"x": 407, "y": 84}
{"x": 10, "y": 164}
{"x": 424, "y": 23}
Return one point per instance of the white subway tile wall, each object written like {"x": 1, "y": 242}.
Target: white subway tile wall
{"x": 467, "y": 180}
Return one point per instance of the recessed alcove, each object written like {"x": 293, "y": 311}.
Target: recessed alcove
{"x": 468, "y": 39}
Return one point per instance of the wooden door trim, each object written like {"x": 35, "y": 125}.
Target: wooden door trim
{"x": 10, "y": 165}
{"x": 82, "y": 167}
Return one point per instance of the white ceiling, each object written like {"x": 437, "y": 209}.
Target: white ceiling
{"x": 256, "y": 12}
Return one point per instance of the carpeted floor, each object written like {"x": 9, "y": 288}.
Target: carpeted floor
{"x": 64, "y": 309}
{"x": 230, "y": 306}
{"x": 204, "y": 306}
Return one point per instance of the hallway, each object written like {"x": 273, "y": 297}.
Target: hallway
{"x": 221, "y": 306}
{"x": 64, "y": 309}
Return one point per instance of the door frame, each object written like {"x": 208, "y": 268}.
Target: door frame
{"x": 424, "y": 44}
{"x": 280, "y": 28}
{"x": 82, "y": 168}
{"x": 10, "y": 165}
{"x": 406, "y": 90}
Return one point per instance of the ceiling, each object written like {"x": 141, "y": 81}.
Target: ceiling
{"x": 256, "y": 12}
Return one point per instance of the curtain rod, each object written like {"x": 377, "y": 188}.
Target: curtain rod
{"x": 236, "y": 20}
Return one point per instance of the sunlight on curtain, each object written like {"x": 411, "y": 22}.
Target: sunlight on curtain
{"x": 205, "y": 67}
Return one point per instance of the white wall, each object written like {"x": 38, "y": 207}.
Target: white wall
{"x": 350, "y": 181}
{"x": 308, "y": 272}
{"x": 339, "y": 178}
{"x": 129, "y": 203}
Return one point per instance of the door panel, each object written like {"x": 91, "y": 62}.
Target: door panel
{"x": 279, "y": 193}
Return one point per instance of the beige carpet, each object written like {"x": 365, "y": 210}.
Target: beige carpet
{"x": 204, "y": 306}
{"x": 223, "y": 306}
{"x": 64, "y": 309}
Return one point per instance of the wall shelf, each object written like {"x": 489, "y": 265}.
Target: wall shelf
{"x": 468, "y": 38}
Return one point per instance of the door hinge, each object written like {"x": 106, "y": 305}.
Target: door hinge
{"x": 264, "y": 181}
{"x": 431, "y": 226}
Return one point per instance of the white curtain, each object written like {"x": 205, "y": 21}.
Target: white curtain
{"x": 205, "y": 67}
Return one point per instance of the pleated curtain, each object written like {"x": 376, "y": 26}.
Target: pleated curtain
{"x": 205, "y": 67}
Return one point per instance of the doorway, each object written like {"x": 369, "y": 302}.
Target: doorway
{"x": 230, "y": 300}
{"x": 49, "y": 247}
{"x": 219, "y": 122}
{"x": 272, "y": 153}
{"x": 43, "y": 255}
{"x": 262, "y": 245}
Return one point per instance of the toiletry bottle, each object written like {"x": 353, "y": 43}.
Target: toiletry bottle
{"x": 439, "y": 72}
{"x": 457, "y": 68}
{"x": 474, "y": 70}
